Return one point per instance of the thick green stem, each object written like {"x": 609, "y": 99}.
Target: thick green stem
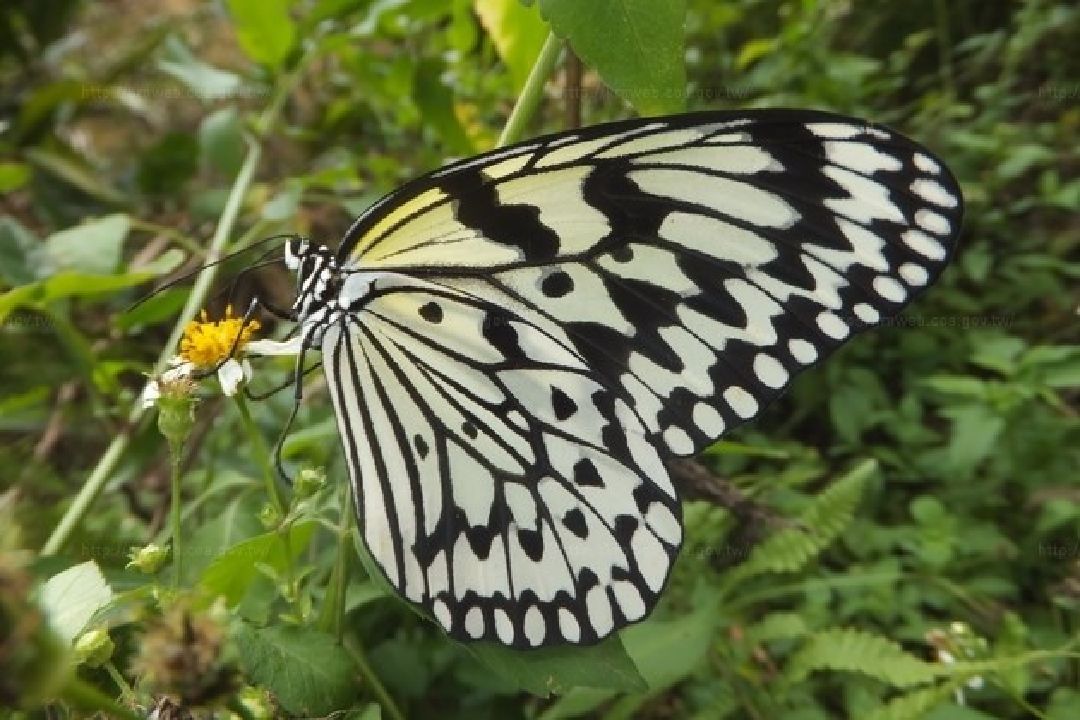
{"x": 332, "y": 615}
{"x": 377, "y": 688}
{"x": 87, "y": 697}
{"x": 532, "y": 93}
{"x": 176, "y": 460}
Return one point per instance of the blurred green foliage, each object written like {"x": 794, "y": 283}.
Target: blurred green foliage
{"x": 927, "y": 473}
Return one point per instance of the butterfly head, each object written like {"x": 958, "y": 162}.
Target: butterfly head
{"x": 317, "y": 278}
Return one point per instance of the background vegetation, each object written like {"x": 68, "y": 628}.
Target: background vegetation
{"x": 910, "y": 541}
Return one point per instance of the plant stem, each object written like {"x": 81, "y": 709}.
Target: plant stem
{"x": 373, "y": 681}
{"x": 87, "y": 697}
{"x": 262, "y": 454}
{"x": 126, "y": 692}
{"x": 176, "y": 460}
{"x": 332, "y": 616}
{"x": 532, "y": 93}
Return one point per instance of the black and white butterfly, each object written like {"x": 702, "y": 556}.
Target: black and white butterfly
{"x": 516, "y": 343}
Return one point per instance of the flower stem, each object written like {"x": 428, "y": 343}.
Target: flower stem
{"x": 377, "y": 688}
{"x": 262, "y": 454}
{"x": 532, "y": 93}
{"x": 176, "y": 460}
{"x": 332, "y": 615}
{"x": 87, "y": 697}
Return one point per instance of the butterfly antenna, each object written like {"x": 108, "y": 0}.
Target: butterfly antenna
{"x": 191, "y": 273}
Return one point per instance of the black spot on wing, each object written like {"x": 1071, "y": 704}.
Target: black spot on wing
{"x": 562, "y": 404}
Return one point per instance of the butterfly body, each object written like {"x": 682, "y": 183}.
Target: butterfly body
{"x": 516, "y": 343}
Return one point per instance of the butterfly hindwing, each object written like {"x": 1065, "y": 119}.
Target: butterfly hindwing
{"x": 618, "y": 295}
{"x": 501, "y": 485}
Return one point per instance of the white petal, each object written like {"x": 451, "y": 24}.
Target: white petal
{"x": 230, "y": 375}
{"x": 274, "y": 347}
{"x": 150, "y": 394}
{"x": 178, "y": 371}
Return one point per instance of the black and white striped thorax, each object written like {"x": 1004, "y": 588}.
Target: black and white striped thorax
{"x": 516, "y": 343}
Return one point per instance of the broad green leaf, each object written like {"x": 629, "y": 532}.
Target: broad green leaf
{"x": 66, "y": 284}
{"x": 13, "y": 175}
{"x": 78, "y": 174}
{"x": 635, "y": 45}
{"x": 166, "y": 305}
{"x": 436, "y": 103}
{"x": 557, "y": 669}
{"x": 232, "y": 572}
{"x": 204, "y": 81}
{"x": 306, "y": 670}
{"x": 21, "y": 257}
{"x": 975, "y": 430}
{"x": 518, "y": 33}
{"x": 221, "y": 141}
{"x": 72, "y": 597}
{"x": 664, "y": 651}
{"x": 94, "y": 246}
{"x": 264, "y": 28}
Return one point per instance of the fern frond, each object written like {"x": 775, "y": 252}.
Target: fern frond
{"x": 861, "y": 652}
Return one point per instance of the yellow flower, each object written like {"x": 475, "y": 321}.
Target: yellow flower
{"x": 205, "y": 343}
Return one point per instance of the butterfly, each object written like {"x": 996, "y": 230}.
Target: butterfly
{"x": 516, "y": 343}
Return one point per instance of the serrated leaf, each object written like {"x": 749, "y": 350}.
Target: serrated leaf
{"x": 71, "y": 598}
{"x": 635, "y": 45}
{"x": 861, "y": 652}
{"x": 557, "y": 669}
{"x": 517, "y": 32}
{"x": 306, "y": 670}
{"x": 915, "y": 704}
{"x": 232, "y": 573}
{"x": 94, "y": 246}
{"x": 264, "y": 29}
{"x": 777, "y": 626}
{"x": 790, "y": 549}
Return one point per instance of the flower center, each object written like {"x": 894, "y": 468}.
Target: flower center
{"x": 206, "y": 343}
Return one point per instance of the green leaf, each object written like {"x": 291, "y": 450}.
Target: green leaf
{"x": 635, "y": 45}
{"x": 518, "y": 33}
{"x": 221, "y": 141}
{"x": 915, "y": 704}
{"x": 861, "y": 652}
{"x": 166, "y": 305}
{"x": 436, "y": 103}
{"x": 72, "y": 597}
{"x": 791, "y": 549}
{"x": 557, "y": 669}
{"x": 21, "y": 257}
{"x": 78, "y": 174}
{"x": 264, "y": 29}
{"x": 13, "y": 175}
{"x": 975, "y": 431}
{"x": 232, "y": 573}
{"x": 204, "y": 81}
{"x": 306, "y": 670}
{"x": 94, "y": 246}
{"x": 168, "y": 164}
{"x": 664, "y": 651}
{"x": 64, "y": 285}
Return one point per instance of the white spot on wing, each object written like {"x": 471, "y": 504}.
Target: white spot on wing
{"x": 708, "y": 420}
{"x": 474, "y": 622}
{"x": 930, "y": 220}
{"x": 802, "y": 351}
{"x": 678, "y": 441}
{"x": 769, "y": 370}
{"x": 742, "y": 403}
{"x": 723, "y": 195}
{"x": 932, "y": 191}
{"x": 568, "y": 625}
{"x": 832, "y": 325}
{"x": 889, "y": 289}
{"x": 861, "y": 157}
{"x": 923, "y": 244}
{"x": 504, "y": 628}
{"x": 599, "y": 610}
{"x": 914, "y": 275}
{"x": 535, "y": 629}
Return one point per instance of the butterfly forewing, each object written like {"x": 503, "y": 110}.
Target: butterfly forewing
{"x": 557, "y": 318}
